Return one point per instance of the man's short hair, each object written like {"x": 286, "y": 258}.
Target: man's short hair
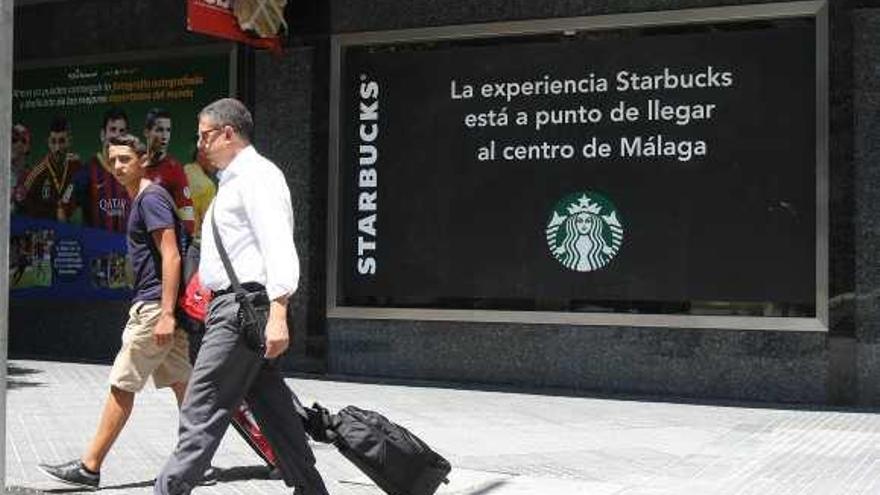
{"x": 114, "y": 113}
{"x": 154, "y": 114}
{"x": 59, "y": 123}
{"x": 128, "y": 140}
{"x": 231, "y": 112}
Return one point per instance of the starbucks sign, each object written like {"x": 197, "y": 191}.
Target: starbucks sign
{"x": 584, "y": 232}
{"x": 626, "y": 170}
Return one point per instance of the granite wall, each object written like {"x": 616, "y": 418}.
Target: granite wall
{"x": 866, "y": 136}
{"x": 289, "y": 131}
{"x": 377, "y": 15}
{"x": 6, "y": 30}
{"x": 779, "y": 366}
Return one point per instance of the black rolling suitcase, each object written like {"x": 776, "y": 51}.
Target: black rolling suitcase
{"x": 399, "y": 462}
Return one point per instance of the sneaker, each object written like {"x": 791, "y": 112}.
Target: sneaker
{"x": 210, "y": 477}
{"x": 72, "y": 473}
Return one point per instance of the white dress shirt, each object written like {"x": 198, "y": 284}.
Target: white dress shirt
{"x": 255, "y": 219}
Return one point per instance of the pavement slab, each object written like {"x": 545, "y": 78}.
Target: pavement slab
{"x": 499, "y": 442}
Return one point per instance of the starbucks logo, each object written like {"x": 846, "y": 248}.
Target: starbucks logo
{"x": 584, "y": 233}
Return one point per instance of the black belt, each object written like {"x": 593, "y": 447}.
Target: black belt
{"x": 247, "y": 286}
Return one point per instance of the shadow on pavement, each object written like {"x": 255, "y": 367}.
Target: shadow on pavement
{"x": 15, "y": 370}
{"x": 18, "y": 490}
{"x": 488, "y": 489}
{"x": 242, "y": 473}
{"x": 124, "y": 486}
{"x": 17, "y": 377}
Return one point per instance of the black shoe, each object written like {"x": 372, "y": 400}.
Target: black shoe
{"x": 73, "y": 473}
{"x": 210, "y": 477}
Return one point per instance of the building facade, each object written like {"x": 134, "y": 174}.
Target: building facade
{"x": 819, "y": 348}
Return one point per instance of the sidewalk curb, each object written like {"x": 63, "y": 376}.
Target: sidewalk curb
{"x": 17, "y": 490}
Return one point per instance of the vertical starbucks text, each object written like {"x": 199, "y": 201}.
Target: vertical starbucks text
{"x": 367, "y": 176}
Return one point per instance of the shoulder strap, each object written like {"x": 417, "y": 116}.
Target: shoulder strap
{"x": 180, "y": 234}
{"x": 236, "y": 285}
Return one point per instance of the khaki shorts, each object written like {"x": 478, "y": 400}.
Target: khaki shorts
{"x": 140, "y": 357}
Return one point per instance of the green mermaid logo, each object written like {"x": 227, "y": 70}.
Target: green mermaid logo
{"x": 584, "y": 232}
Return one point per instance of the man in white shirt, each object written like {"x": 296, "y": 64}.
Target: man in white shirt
{"x": 254, "y": 218}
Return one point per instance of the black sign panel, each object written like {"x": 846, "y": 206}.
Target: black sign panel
{"x": 615, "y": 166}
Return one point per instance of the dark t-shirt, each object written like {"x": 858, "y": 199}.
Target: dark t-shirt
{"x": 151, "y": 210}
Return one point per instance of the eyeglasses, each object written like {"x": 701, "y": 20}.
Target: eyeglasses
{"x": 202, "y": 136}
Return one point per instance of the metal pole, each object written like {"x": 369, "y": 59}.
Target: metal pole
{"x": 6, "y": 25}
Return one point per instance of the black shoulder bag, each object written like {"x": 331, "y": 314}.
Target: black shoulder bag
{"x": 253, "y": 307}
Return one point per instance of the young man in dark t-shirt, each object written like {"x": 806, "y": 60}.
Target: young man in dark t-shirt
{"x": 152, "y": 343}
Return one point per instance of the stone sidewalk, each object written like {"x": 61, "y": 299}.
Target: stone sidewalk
{"x": 499, "y": 443}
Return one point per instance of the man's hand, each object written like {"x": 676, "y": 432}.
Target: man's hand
{"x": 277, "y": 337}
{"x": 164, "y": 331}
{"x": 166, "y": 240}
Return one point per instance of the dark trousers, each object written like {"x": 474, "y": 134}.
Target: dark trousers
{"x": 226, "y": 371}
